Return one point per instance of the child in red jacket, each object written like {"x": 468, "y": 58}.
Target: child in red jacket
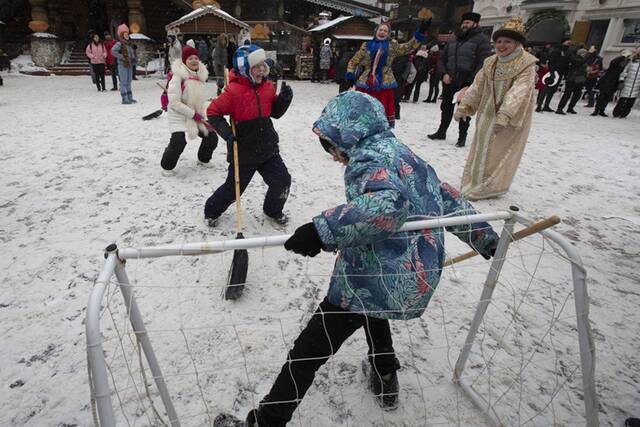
{"x": 250, "y": 100}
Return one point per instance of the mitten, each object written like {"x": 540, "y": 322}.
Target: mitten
{"x": 286, "y": 93}
{"x": 305, "y": 241}
{"x": 198, "y": 117}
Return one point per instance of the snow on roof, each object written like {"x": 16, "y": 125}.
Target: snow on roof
{"x": 138, "y": 36}
{"x": 205, "y": 10}
{"x": 352, "y": 37}
{"x": 331, "y": 23}
{"x": 45, "y": 35}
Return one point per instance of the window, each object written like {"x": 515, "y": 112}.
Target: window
{"x": 631, "y": 32}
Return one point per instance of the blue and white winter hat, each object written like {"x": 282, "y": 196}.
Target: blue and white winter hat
{"x": 248, "y": 56}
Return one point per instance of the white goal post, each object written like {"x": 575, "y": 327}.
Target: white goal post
{"x": 115, "y": 266}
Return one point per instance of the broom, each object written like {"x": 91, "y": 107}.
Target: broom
{"x": 240, "y": 263}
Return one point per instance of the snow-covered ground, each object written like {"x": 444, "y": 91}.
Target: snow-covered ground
{"x": 81, "y": 171}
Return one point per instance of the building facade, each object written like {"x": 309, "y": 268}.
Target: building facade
{"x": 609, "y": 25}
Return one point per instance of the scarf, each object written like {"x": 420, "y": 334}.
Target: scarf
{"x": 125, "y": 52}
{"x": 379, "y": 51}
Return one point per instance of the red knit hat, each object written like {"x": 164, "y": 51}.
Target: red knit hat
{"x": 187, "y": 51}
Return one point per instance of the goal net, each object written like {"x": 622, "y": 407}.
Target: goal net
{"x": 503, "y": 342}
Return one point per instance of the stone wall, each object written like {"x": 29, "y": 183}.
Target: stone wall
{"x": 46, "y": 51}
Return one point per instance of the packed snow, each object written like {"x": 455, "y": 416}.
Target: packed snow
{"x": 82, "y": 171}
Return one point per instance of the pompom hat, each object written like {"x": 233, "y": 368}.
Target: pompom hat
{"x": 248, "y": 56}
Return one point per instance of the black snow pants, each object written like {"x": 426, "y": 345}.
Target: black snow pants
{"x": 328, "y": 328}
{"x": 176, "y": 147}
{"x": 275, "y": 175}
{"x": 623, "y": 107}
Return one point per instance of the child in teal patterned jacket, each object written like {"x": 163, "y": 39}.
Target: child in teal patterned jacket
{"x": 377, "y": 276}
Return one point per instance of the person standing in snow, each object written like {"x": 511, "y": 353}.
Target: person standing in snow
{"x": 112, "y": 65}
{"x": 630, "y": 82}
{"x": 250, "y": 100}
{"x": 503, "y": 96}
{"x": 434, "y": 74}
{"x": 325, "y": 60}
{"x": 220, "y": 60}
{"x": 574, "y": 81}
{"x": 558, "y": 64}
{"x": 461, "y": 60}
{"x": 379, "y": 273}
{"x": 608, "y": 83}
{"x": 187, "y": 110}
{"x": 421, "y": 62}
{"x": 376, "y": 57}
{"x": 123, "y": 52}
{"x": 594, "y": 67}
{"x": 175, "y": 49}
{"x": 97, "y": 54}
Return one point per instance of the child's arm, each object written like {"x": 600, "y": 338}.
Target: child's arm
{"x": 220, "y": 107}
{"x": 480, "y": 236}
{"x": 115, "y": 51}
{"x": 379, "y": 211}
{"x": 282, "y": 101}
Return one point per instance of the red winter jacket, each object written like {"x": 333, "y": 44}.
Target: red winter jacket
{"x": 251, "y": 107}
{"x": 110, "y": 58}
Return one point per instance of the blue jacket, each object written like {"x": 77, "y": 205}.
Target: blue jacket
{"x": 384, "y": 276}
{"x": 116, "y": 51}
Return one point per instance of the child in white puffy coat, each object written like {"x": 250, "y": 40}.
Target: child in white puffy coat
{"x": 187, "y": 109}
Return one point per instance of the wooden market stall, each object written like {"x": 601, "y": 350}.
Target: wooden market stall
{"x": 207, "y": 21}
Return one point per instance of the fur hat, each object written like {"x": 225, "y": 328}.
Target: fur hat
{"x": 327, "y": 41}
{"x": 246, "y": 57}
{"x": 582, "y": 52}
{"x": 512, "y": 29}
{"x": 471, "y": 16}
{"x": 191, "y": 43}
{"x": 627, "y": 53}
{"x": 123, "y": 29}
{"x": 187, "y": 51}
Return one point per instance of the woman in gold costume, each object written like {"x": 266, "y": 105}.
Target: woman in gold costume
{"x": 502, "y": 95}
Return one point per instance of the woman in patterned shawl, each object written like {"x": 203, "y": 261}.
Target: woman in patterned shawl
{"x": 503, "y": 96}
{"x": 379, "y": 274}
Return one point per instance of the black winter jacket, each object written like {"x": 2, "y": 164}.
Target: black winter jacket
{"x": 463, "y": 58}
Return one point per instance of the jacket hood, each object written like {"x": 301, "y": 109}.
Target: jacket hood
{"x": 350, "y": 118}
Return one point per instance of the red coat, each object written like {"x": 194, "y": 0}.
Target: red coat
{"x": 110, "y": 58}
{"x": 251, "y": 107}
{"x": 541, "y": 72}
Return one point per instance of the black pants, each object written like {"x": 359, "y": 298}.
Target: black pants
{"x": 604, "y": 98}
{"x": 176, "y": 147}
{"x": 623, "y": 107}
{"x": 545, "y": 96}
{"x": 416, "y": 89}
{"x": 446, "y": 107}
{"x": 573, "y": 92}
{"x": 329, "y": 327}
{"x": 434, "y": 88}
{"x": 589, "y": 87}
{"x": 275, "y": 175}
{"x": 114, "y": 74}
{"x": 98, "y": 70}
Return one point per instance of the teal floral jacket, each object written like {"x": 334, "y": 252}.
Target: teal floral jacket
{"x": 379, "y": 272}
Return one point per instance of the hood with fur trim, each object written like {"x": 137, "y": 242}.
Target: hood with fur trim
{"x": 186, "y": 97}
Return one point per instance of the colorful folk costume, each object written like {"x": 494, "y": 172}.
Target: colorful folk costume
{"x": 503, "y": 96}
{"x": 375, "y": 57}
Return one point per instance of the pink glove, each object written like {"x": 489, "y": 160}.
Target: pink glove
{"x": 198, "y": 117}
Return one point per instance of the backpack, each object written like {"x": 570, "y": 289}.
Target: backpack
{"x": 164, "y": 98}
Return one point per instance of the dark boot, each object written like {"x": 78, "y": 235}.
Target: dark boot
{"x": 438, "y": 135}
{"x": 173, "y": 151}
{"x": 572, "y": 111}
{"x": 560, "y": 112}
{"x": 462, "y": 140}
{"x": 385, "y": 389}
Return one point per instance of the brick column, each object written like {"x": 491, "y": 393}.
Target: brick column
{"x": 39, "y": 19}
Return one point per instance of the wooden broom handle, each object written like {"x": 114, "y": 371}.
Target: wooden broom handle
{"x": 236, "y": 165}
{"x": 525, "y": 232}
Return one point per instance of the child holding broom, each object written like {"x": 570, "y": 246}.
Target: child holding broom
{"x": 375, "y": 278}
{"x": 250, "y": 100}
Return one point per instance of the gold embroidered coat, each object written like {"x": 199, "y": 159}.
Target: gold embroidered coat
{"x": 503, "y": 96}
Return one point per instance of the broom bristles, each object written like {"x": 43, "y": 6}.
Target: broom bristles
{"x": 238, "y": 273}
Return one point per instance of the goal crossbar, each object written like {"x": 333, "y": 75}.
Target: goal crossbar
{"x": 101, "y": 394}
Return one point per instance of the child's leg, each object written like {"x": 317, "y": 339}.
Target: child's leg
{"x": 208, "y": 144}
{"x": 173, "y": 151}
{"x": 329, "y": 327}
{"x": 276, "y": 176}
{"x": 222, "y": 198}
{"x": 382, "y": 356}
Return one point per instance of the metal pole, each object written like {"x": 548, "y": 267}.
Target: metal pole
{"x": 585, "y": 337}
{"x": 141, "y": 334}
{"x": 95, "y": 355}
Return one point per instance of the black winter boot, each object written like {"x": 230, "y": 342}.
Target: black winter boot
{"x": 385, "y": 389}
{"x": 207, "y": 146}
{"x": 438, "y": 135}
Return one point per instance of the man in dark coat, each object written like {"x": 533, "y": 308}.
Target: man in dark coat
{"x": 608, "y": 83}
{"x": 461, "y": 60}
{"x": 558, "y": 67}
{"x": 574, "y": 81}
{"x": 594, "y": 67}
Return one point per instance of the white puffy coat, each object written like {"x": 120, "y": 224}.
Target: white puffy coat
{"x": 183, "y": 104}
{"x": 631, "y": 78}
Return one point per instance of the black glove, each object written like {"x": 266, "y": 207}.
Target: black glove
{"x": 425, "y": 25}
{"x": 305, "y": 241}
{"x": 490, "y": 251}
{"x": 286, "y": 94}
